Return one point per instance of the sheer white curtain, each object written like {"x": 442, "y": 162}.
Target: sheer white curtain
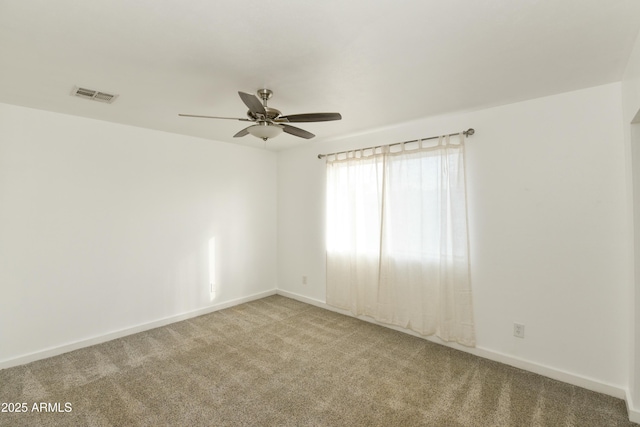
{"x": 397, "y": 245}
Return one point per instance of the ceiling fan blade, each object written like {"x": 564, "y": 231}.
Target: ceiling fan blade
{"x": 243, "y": 132}
{"x": 214, "y": 117}
{"x": 311, "y": 117}
{"x": 292, "y": 130}
{"x": 254, "y": 104}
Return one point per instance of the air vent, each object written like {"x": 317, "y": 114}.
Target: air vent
{"x": 93, "y": 95}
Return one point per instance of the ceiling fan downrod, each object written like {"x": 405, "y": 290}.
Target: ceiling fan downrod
{"x": 265, "y": 95}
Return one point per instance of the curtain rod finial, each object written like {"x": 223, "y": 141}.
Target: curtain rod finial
{"x": 469, "y": 132}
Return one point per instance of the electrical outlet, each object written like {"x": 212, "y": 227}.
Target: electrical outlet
{"x": 304, "y": 280}
{"x": 518, "y": 330}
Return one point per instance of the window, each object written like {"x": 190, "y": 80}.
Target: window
{"x": 397, "y": 246}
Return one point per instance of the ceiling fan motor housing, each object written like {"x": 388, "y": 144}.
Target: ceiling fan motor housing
{"x": 272, "y": 114}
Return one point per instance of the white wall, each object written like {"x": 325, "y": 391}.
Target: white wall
{"x": 104, "y": 227}
{"x": 634, "y": 291}
{"x": 631, "y": 84}
{"x": 548, "y": 229}
{"x": 631, "y": 114}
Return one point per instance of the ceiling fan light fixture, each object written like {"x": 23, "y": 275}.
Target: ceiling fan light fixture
{"x": 264, "y": 130}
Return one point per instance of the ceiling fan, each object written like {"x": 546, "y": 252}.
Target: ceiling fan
{"x": 269, "y": 122}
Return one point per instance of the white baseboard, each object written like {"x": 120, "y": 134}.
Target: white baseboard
{"x": 547, "y": 371}
{"x": 311, "y": 301}
{"x": 55, "y": 351}
{"x": 632, "y": 410}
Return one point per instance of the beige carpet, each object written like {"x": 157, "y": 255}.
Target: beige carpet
{"x": 279, "y": 362}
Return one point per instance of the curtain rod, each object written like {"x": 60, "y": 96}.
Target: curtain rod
{"x": 467, "y": 133}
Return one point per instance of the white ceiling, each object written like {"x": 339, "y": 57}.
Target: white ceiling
{"x": 379, "y": 63}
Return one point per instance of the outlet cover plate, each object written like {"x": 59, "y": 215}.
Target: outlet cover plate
{"x": 518, "y": 330}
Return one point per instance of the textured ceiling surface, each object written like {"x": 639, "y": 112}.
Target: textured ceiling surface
{"x": 379, "y": 63}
